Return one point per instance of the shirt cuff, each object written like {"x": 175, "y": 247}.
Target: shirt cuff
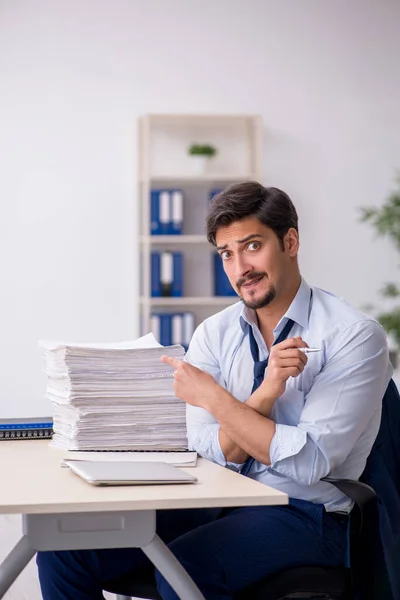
{"x": 287, "y": 441}
{"x": 219, "y": 456}
{"x": 234, "y": 466}
{"x": 216, "y": 451}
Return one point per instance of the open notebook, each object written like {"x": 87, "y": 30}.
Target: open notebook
{"x": 177, "y": 459}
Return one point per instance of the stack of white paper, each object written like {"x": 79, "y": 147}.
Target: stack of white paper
{"x": 114, "y": 396}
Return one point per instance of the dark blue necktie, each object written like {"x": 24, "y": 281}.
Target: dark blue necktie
{"x": 259, "y": 370}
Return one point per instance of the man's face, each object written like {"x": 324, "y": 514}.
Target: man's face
{"x": 257, "y": 266}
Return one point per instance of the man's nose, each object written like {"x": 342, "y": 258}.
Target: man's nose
{"x": 242, "y": 268}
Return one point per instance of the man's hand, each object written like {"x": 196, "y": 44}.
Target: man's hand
{"x": 285, "y": 360}
{"x": 194, "y": 386}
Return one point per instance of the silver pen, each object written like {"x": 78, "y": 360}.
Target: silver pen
{"x": 309, "y": 350}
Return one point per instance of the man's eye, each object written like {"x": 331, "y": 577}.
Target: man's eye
{"x": 224, "y": 255}
{"x": 253, "y": 246}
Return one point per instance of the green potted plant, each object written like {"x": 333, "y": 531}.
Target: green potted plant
{"x": 200, "y": 155}
{"x": 386, "y": 222}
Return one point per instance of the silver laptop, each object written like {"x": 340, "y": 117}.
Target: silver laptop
{"x": 138, "y": 473}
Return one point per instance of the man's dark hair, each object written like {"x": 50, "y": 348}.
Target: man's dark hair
{"x": 269, "y": 205}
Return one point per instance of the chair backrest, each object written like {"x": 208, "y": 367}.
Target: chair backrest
{"x": 382, "y": 473}
{"x": 375, "y": 520}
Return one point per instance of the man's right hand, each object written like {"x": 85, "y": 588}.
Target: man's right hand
{"x": 285, "y": 360}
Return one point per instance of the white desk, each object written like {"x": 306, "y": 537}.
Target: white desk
{"x": 62, "y": 512}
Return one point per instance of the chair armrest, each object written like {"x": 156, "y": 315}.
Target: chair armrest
{"x": 362, "y": 494}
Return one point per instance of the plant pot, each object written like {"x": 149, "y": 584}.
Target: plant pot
{"x": 198, "y": 164}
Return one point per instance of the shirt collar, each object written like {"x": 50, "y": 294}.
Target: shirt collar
{"x": 298, "y": 311}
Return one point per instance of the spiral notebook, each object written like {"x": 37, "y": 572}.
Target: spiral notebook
{"x": 31, "y": 428}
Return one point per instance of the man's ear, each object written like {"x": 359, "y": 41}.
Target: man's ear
{"x": 292, "y": 242}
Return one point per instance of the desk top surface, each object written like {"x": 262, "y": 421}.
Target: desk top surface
{"x": 33, "y": 482}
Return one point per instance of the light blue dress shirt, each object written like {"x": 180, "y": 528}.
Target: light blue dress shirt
{"x": 328, "y": 417}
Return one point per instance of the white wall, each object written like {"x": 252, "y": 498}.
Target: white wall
{"x": 75, "y": 74}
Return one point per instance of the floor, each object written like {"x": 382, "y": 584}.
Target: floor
{"x": 26, "y": 587}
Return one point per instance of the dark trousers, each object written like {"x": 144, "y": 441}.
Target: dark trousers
{"x": 224, "y": 550}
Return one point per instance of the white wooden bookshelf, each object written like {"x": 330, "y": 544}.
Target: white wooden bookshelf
{"x": 163, "y": 161}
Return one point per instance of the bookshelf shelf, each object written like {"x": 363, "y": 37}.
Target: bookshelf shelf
{"x": 196, "y": 118}
{"x": 191, "y": 301}
{"x": 195, "y": 180}
{"x": 173, "y": 239}
{"x": 167, "y": 172}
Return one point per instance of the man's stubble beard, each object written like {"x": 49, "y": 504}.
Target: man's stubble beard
{"x": 260, "y": 302}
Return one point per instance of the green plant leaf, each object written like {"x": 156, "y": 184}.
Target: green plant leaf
{"x": 386, "y": 218}
{"x": 202, "y": 150}
{"x": 390, "y": 321}
{"x": 367, "y": 213}
{"x": 386, "y": 222}
{"x": 390, "y": 290}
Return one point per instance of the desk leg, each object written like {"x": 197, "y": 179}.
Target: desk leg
{"x": 14, "y": 563}
{"x": 75, "y": 531}
{"x": 170, "y": 567}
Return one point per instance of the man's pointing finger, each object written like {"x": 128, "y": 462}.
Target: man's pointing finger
{"x": 171, "y": 360}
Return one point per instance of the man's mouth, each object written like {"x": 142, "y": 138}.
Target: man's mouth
{"x": 252, "y": 282}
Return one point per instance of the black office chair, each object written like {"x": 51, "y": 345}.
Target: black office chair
{"x": 303, "y": 582}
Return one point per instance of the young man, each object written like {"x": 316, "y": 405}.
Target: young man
{"x": 314, "y": 412}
